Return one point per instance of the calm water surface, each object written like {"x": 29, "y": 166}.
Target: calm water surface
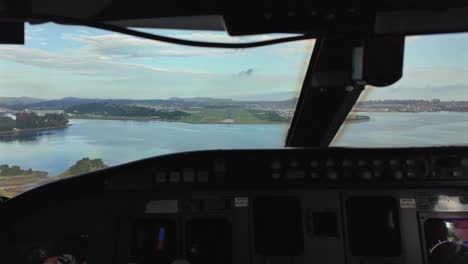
{"x": 122, "y": 141}
{"x": 118, "y": 142}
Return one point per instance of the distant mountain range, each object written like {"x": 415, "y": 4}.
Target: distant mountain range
{"x": 5, "y": 101}
{"x": 19, "y": 103}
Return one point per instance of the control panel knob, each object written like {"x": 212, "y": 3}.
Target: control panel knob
{"x": 457, "y": 173}
{"x": 365, "y": 175}
{"x": 314, "y": 164}
{"x": 276, "y": 165}
{"x": 332, "y": 175}
{"x": 464, "y": 162}
{"x": 347, "y": 163}
{"x": 411, "y": 174}
{"x": 398, "y": 175}
{"x": 294, "y": 164}
{"x": 362, "y": 163}
{"x": 314, "y": 175}
{"x": 377, "y": 163}
{"x": 276, "y": 175}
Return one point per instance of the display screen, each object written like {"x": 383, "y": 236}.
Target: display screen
{"x": 209, "y": 241}
{"x": 154, "y": 241}
{"x": 446, "y": 240}
{"x": 371, "y": 219}
{"x": 278, "y": 226}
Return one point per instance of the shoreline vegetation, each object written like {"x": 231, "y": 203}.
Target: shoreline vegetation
{"x": 20, "y": 131}
{"x": 14, "y": 180}
{"x": 357, "y": 118}
{"x": 26, "y": 120}
{"x": 351, "y": 118}
{"x": 195, "y": 115}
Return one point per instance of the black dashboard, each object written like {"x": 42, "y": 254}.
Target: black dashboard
{"x": 322, "y": 205}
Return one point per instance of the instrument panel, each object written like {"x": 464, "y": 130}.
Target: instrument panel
{"x": 332, "y": 205}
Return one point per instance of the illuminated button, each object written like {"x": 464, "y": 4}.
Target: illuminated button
{"x": 188, "y": 176}
{"x": 332, "y": 175}
{"x": 457, "y": 173}
{"x": 411, "y": 174}
{"x": 410, "y": 162}
{"x": 314, "y": 164}
{"x": 174, "y": 176}
{"x": 314, "y": 175}
{"x": 276, "y": 175}
{"x": 365, "y": 175}
{"x": 394, "y": 162}
{"x": 160, "y": 177}
{"x": 295, "y": 174}
{"x": 362, "y": 163}
{"x": 330, "y": 163}
{"x": 398, "y": 175}
{"x": 203, "y": 176}
{"x": 276, "y": 165}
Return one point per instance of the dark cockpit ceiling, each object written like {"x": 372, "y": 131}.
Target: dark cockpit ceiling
{"x": 254, "y": 17}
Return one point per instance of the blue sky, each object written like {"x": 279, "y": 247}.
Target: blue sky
{"x": 59, "y": 61}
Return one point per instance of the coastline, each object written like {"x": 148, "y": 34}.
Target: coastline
{"x": 20, "y": 131}
{"x": 125, "y": 118}
{"x": 355, "y": 118}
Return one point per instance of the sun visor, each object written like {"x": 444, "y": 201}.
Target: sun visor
{"x": 212, "y": 22}
{"x": 368, "y": 58}
{"x": 12, "y": 33}
{"x": 71, "y": 8}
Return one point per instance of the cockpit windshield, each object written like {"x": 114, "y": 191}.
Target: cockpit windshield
{"x": 427, "y": 107}
{"x": 77, "y": 99}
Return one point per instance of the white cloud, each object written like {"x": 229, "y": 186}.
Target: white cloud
{"x": 35, "y": 29}
{"x": 123, "y": 46}
{"x": 435, "y": 76}
{"x": 79, "y": 65}
{"x": 34, "y": 33}
{"x": 102, "y": 66}
{"x": 425, "y": 83}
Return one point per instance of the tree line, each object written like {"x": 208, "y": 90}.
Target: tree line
{"x": 30, "y": 120}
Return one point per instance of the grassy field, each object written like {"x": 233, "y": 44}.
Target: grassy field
{"x": 13, "y": 185}
{"x": 224, "y": 116}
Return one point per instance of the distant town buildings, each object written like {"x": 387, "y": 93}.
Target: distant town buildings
{"x": 434, "y": 105}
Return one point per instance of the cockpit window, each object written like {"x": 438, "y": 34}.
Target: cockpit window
{"x": 76, "y": 99}
{"x": 427, "y": 107}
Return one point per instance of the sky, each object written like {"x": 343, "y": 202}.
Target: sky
{"x": 61, "y": 61}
